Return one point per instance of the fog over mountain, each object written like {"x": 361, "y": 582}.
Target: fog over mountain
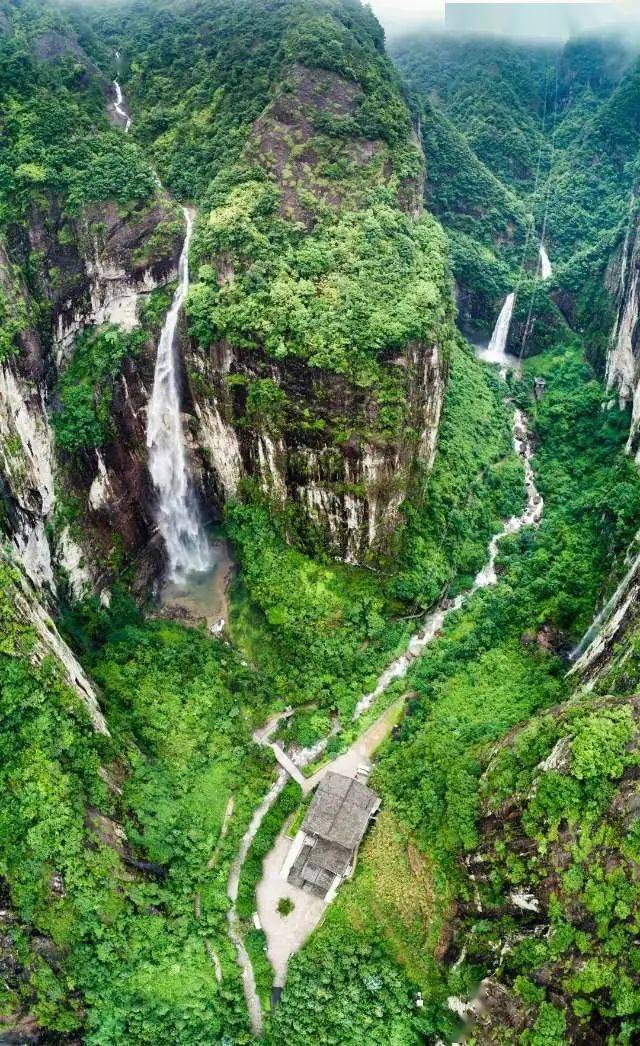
{"x": 519, "y": 18}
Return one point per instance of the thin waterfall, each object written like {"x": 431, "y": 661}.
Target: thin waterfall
{"x": 546, "y": 269}
{"x": 178, "y": 516}
{"x": 119, "y": 105}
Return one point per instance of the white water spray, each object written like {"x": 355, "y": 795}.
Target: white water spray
{"x": 546, "y": 268}
{"x": 119, "y": 105}
{"x": 177, "y": 514}
{"x": 496, "y": 350}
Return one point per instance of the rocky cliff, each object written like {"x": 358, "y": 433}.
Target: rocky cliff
{"x": 315, "y": 455}
{"x": 85, "y": 272}
{"x": 553, "y": 897}
{"x": 623, "y": 358}
{"x": 316, "y": 439}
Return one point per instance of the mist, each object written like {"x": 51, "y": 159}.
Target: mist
{"x": 520, "y": 18}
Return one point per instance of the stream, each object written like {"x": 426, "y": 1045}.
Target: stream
{"x": 486, "y": 577}
{"x": 431, "y": 627}
{"x": 191, "y": 556}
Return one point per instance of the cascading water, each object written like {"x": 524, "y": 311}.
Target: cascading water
{"x": 546, "y": 269}
{"x": 485, "y": 579}
{"x": 496, "y": 350}
{"x": 119, "y": 106}
{"x": 178, "y": 516}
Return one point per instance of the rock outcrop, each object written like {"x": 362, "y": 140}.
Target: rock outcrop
{"x": 545, "y": 919}
{"x": 321, "y": 449}
{"x": 347, "y": 488}
{"x": 91, "y": 271}
{"x": 623, "y": 358}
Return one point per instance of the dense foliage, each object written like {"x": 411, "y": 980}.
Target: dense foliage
{"x": 323, "y": 632}
{"x": 563, "y": 778}
{"x": 55, "y": 133}
{"x": 286, "y": 123}
{"x": 365, "y": 283}
{"x": 131, "y": 946}
{"x": 85, "y": 390}
{"x": 516, "y": 130}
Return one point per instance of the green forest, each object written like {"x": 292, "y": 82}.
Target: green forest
{"x": 283, "y": 504}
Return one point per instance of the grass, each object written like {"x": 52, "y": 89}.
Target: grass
{"x": 394, "y": 894}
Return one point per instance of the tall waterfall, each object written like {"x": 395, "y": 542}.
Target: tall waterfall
{"x": 498, "y": 342}
{"x": 546, "y": 269}
{"x": 119, "y": 106}
{"x": 178, "y": 517}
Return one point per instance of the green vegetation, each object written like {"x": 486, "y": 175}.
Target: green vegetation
{"x": 345, "y": 989}
{"x": 492, "y": 670}
{"x": 56, "y": 137}
{"x": 180, "y": 707}
{"x": 513, "y": 130}
{"x": 85, "y": 390}
{"x": 476, "y": 482}
{"x": 593, "y": 910}
{"x": 321, "y": 632}
{"x": 265, "y": 837}
{"x": 287, "y": 125}
{"x": 357, "y": 285}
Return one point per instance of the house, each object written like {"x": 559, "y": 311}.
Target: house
{"x": 325, "y": 849}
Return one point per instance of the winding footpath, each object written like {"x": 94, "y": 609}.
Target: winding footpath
{"x": 363, "y": 748}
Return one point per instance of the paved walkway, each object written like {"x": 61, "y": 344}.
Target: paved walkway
{"x": 362, "y": 750}
{"x": 286, "y": 934}
{"x": 248, "y": 979}
{"x": 288, "y": 765}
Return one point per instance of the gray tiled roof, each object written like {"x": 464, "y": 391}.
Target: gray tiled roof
{"x": 340, "y": 810}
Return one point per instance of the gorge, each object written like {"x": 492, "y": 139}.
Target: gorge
{"x": 318, "y": 449}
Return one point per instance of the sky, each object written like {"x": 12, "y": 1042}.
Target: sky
{"x": 399, "y": 15}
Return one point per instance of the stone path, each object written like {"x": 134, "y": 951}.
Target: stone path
{"x": 248, "y": 980}
{"x": 286, "y": 934}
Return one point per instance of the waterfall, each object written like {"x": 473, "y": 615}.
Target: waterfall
{"x": 498, "y": 342}
{"x": 496, "y": 350}
{"x": 546, "y": 269}
{"x": 119, "y": 106}
{"x": 178, "y": 517}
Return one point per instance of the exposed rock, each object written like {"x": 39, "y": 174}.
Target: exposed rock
{"x": 347, "y": 487}
{"x": 92, "y": 270}
{"x": 95, "y": 269}
{"x": 282, "y": 141}
{"x": 531, "y": 875}
{"x": 53, "y": 46}
{"x": 623, "y": 357}
{"x": 24, "y": 605}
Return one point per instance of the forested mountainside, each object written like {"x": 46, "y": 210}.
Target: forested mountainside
{"x": 232, "y": 237}
{"x": 551, "y": 154}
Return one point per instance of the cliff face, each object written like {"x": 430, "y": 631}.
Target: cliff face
{"x": 346, "y": 488}
{"x": 314, "y": 439}
{"x": 546, "y": 920}
{"x": 623, "y": 358}
{"x": 90, "y": 271}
